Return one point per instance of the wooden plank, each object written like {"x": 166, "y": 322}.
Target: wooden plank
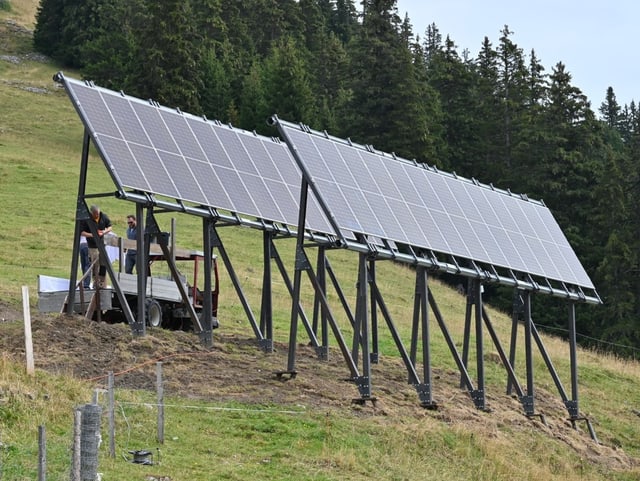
{"x": 154, "y": 248}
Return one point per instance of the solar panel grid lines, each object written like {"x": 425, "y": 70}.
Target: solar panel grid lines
{"x": 379, "y": 195}
{"x": 164, "y": 152}
{"x": 325, "y": 177}
{"x": 370, "y": 194}
{"x": 123, "y": 162}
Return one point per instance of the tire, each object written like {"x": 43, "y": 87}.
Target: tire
{"x": 153, "y": 313}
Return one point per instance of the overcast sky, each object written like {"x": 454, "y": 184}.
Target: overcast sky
{"x": 598, "y": 41}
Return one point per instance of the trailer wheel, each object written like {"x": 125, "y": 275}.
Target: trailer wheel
{"x": 153, "y": 311}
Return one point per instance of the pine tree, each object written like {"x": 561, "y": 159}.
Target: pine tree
{"x": 287, "y": 84}
{"x": 254, "y": 109}
{"x": 610, "y": 110}
{"x": 64, "y": 27}
{"x": 344, "y": 22}
{"x": 271, "y": 22}
{"x": 216, "y": 94}
{"x": 454, "y": 82}
{"x": 107, "y": 55}
{"x": 512, "y": 92}
{"x": 47, "y": 35}
{"x": 487, "y": 152}
{"x": 169, "y": 48}
{"x": 531, "y": 138}
{"x": 388, "y": 103}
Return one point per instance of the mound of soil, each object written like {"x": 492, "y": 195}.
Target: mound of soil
{"x": 236, "y": 369}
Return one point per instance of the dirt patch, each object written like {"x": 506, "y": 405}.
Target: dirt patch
{"x": 9, "y": 314}
{"x": 236, "y": 369}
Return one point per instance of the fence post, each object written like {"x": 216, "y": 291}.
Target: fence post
{"x": 75, "y": 456}
{"x": 28, "y": 340}
{"x": 160, "y": 388}
{"x": 89, "y": 441}
{"x": 42, "y": 453}
{"x": 112, "y": 419}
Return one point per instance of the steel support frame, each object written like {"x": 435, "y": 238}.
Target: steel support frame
{"x": 361, "y": 329}
{"x": 474, "y": 308}
{"x": 321, "y": 350}
{"x": 302, "y": 264}
{"x": 420, "y": 333}
{"x": 319, "y": 317}
{"x": 82, "y": 214}
{"x": 216, "y": 241}
{"x": 360, "y": 322}
{"x": 153, "y": 230}
{"x": 420, "y": 326}
{"x": 522, "y": 308}
{"x": 262, "y": 329}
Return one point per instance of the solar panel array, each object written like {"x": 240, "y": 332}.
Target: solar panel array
{"x": 156, "y": 150}
{"x": 153, "y": 149}
{"x": 395, "y": 199}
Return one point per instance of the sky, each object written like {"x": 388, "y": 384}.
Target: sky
{"x": 597, "y": 41}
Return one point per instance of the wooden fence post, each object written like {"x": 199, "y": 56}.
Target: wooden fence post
{"x": 42, "y": 453}
{"x": 75, "y": 457}
{"x": 28, "y": 341}
{"x": 112, "y": 419}
{"x": 160, "y": 388}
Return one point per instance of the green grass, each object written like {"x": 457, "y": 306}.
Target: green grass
{"x": 205, "y": 440}
{"x": 40, "y": 148}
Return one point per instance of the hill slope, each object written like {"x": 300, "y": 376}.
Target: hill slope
{"x": 236, "y": 370}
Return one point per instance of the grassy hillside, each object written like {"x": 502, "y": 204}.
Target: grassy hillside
{"x": 229, "y": 419}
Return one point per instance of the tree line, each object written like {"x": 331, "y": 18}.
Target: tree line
{"x": 361, "y": 72}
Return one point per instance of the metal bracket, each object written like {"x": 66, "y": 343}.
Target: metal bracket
{"x": 592, "y": 431}
{"x": 528, "y": 405}
{"x": 364, "y": 387}
{"x": 572, "y": 407}
{"x": 206, "y": 338}
{"x": 302, "y": 262}
{"x": 322, "y": 352}
{"x": 424, "y": 394}
{"x": 538, "y": 415}
{"x": 266, "y": 345}
{"x": 477, "y": 396}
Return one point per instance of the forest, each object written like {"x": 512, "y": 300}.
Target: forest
{"x": 360, "y": 71}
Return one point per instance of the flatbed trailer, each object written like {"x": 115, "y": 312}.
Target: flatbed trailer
{"x": 164, "y": 305}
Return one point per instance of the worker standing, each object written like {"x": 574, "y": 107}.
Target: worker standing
{"x": 103, "y": 226}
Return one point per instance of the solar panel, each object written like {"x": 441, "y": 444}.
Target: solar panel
{"x": 377, "y": 195}
{"x": 153, "y": 149}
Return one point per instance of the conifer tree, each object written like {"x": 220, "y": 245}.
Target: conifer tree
{"x": 344, "y": 22}
{"x": 107, "y": 54}
{"x": 487, "y": 114}
{"x": 169, "y": 47}
{"x": 64, "y": 27}
{"x": 47, "y": 35}
{"x": 216, "y": 95}
{"x": 272, "y": 21}
{"x": 254, "y": 108}
{"x": 454, "y": 81}
{"x": 387, "y": 107}
{"x": 512, "y": 95}
{"x": 287, "y": 84}
{"x": 610, "y": 110}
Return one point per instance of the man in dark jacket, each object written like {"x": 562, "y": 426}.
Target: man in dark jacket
{"x": 102, "y": 225}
